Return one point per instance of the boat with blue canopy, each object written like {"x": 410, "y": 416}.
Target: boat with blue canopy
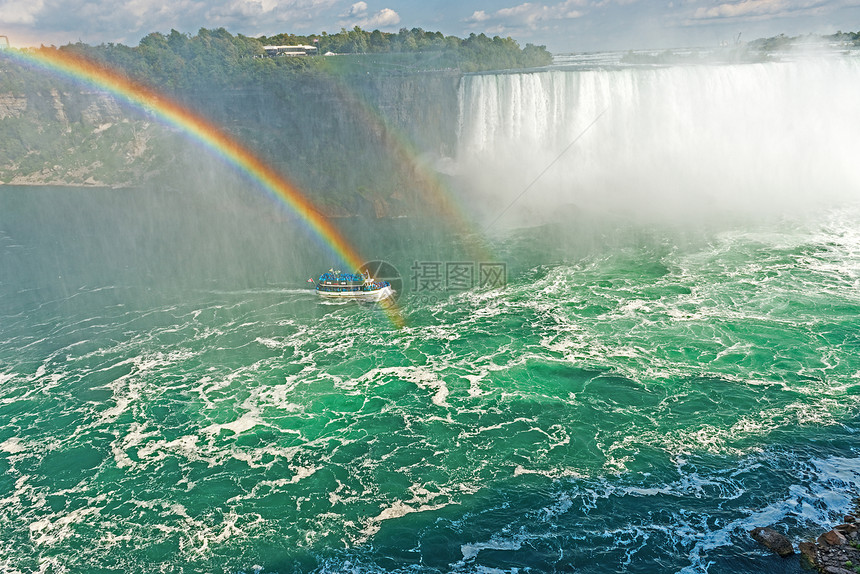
{"x": 352, "y": 287}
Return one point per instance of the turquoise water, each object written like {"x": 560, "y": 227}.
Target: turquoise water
{"x": 633, "y": 405}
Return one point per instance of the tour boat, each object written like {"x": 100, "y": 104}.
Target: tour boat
{"x": 352, "y": 287}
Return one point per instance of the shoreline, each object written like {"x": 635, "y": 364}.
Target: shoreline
{"x": 836, "y": 551}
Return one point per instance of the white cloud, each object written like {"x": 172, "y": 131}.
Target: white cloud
{"x": 757, "y": 9}
{"x": 529, "y": 15}
{"x": 745, "y": 7}
{"x": 127, "y": 21}
{"x": 383, "y": 19}
{"x": 20, "y": 11}
{"x": 357, "y": 9}
{"x": 240, "y": 14}
{"x": 478, "y": 16}
{"x": 519, "y": 10}
{"x": 357, "y": 16}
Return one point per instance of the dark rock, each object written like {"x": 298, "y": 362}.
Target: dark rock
{"x": 836, "y": 551}
{"x": 773, "y": 540}
{"x": 807, "y": 555}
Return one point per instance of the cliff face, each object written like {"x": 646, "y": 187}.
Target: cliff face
{"x": 62, "y": 137}
{"x": 12, "y": 106}
{"x": 357, "y": 144}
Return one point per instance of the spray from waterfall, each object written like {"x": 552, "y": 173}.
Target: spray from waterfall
{"x": 683, "y": 144}
{"x": 546, "y": 169}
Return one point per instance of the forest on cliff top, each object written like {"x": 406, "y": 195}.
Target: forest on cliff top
{"x": 217, "y": 58}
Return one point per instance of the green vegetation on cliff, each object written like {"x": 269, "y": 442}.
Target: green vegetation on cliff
{"x": 212, "y": 58}
{"x": 347, "y": 128}
{"x": 350, "y": 139}
{"x": 421, "y": 49}
{"x": 56, "y": 132}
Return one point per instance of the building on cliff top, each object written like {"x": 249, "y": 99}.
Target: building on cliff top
{"x": 290, "y": 50}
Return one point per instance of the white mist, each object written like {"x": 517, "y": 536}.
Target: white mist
{"x": 683, "y": 143}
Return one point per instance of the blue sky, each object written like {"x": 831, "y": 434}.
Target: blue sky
{"x": 561, "y": 25}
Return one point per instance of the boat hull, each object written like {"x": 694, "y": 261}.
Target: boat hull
{"x": 374, "y": 295}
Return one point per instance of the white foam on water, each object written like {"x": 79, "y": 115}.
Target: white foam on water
{"x": 840, "y": 263}
{"x": 277, "y": 395}
{"x": 302, "y": 472}
{"x": 471, "y": 551}
{"x": 270, "y": 343}
{"x": 134, "y": 437}
{"x": 554, "y": 474}
{"x": 474, "y": 383}
{"x": 51, "y": 565}
{"x": 197, "y": 536}
{"x": 109, "y": 540}
{"x": 186, "y": 446}
{"x": 244, "y": 423}
{"x": 439, "y": 332}
{"x": 269, "y": 486}
{"x": 821, "y": 493}
{"x": 25, "y": 494}
{"x": 733, "y": 440}
{"x": 634, "y": 307}
{"x": 51, "y": 531}
{"x": 397, "y": 509}
{"x": 129, "y": 389}
{"x": 472, "y": 433}
{"x": 424, "y": 378}
{"x": 28, "y": 499}
{"x": 421, "y": 498}
{"x": 12, "y": 445}
{"x": 7, "y": 565}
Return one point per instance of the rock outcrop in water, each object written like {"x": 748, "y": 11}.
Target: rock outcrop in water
{"x": 837, "y": 551}
{"x": 773, "y": 540}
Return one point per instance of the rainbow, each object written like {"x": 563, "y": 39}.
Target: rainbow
{"x": 207, "y": 134}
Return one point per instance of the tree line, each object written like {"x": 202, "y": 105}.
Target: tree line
{"x": 782, "y": 42}
{"x": 477, "y": 52}
{"x": 178, "y": 61}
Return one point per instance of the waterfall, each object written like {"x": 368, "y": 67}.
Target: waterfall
{"x": 684, "y": 140}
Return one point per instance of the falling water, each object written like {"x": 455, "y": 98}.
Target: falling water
{"x": 674, "y": 142}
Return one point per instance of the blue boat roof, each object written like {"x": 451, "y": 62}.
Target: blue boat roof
{"x": 335, "y": 276}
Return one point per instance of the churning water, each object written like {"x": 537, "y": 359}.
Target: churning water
{"x": 640, "y": 394}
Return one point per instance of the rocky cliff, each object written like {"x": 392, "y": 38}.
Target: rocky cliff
{"x": 68, "y": 137}
{"x": 358, "y": 144}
